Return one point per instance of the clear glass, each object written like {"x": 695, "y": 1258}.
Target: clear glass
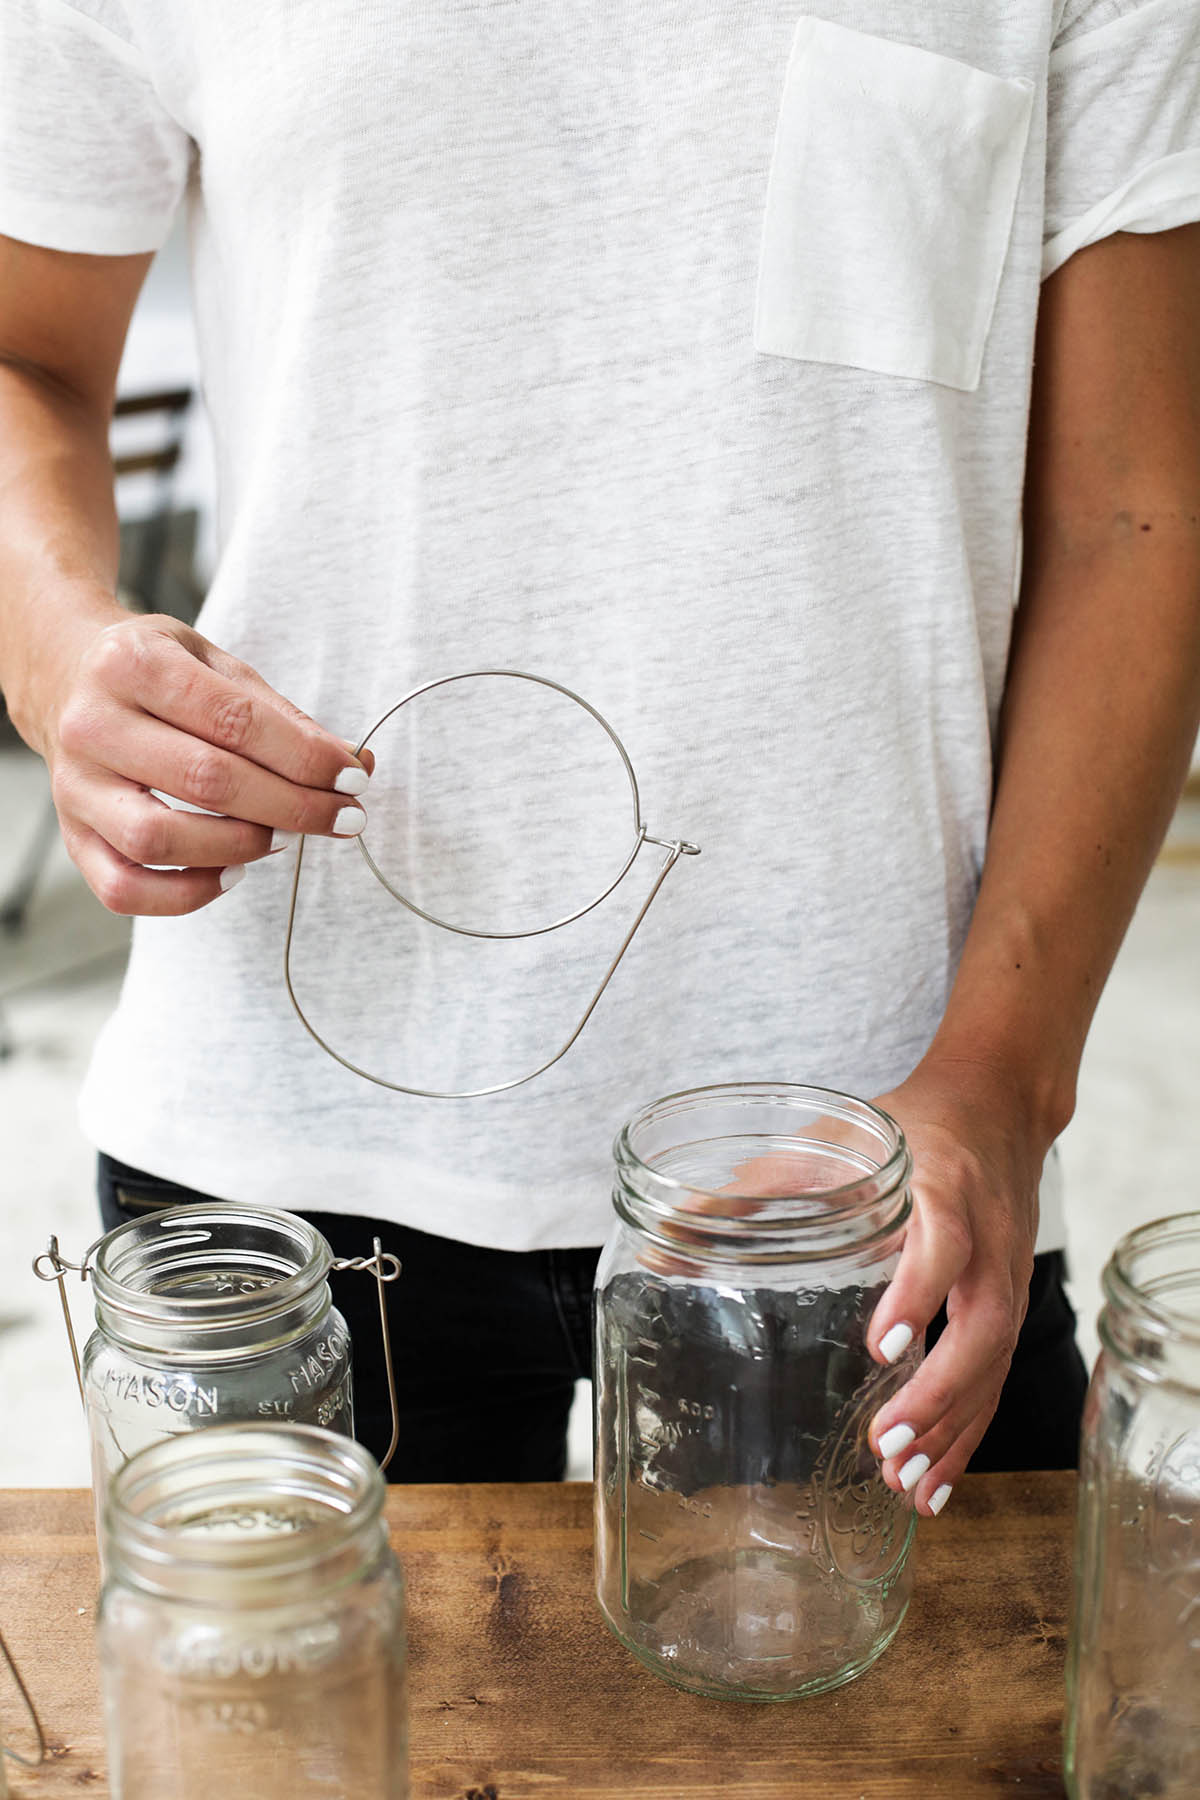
{"x": 251, "y": 1626}
{"x": 206, "y": 1315}
{"x": 747, "y": 1546}
{"x": 1133, "y": 1673}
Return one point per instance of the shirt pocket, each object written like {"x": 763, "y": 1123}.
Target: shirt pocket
{"x": 889, "y": 206}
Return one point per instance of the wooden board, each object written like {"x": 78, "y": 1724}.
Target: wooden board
{"x": 519, "y": 1692}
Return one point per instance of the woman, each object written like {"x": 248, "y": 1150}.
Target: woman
{"x": 686, "y": 359}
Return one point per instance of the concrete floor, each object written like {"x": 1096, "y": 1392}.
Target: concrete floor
{"x": 1131, "y": 1154}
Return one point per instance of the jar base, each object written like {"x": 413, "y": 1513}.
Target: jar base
{"x": 716, "y": 1690}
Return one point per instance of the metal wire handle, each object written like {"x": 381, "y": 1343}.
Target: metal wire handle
{"x": 675, "y": 848}
{"x": 57, "y": 1271}
{"x": 373, "y": 1265}
{"x": 26, "y": 1762}
{"x": 382, "y": 1265}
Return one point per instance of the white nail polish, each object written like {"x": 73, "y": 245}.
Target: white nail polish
{"x": 351, "y": 781}
{"x": 349, "y": 821}
{"x": 895, "y": 1342}
{"x": 896, "y": 1439}
{"x": 283, "y": 840}
{"x": 913, "y": 1470}
{"x": 939, "y": 1497}
{"x": 230, "y": 877}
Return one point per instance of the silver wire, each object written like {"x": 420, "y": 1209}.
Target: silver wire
{"x": 26, "y": 1762}
{"x": 675, "y": 848}
{"x": 639, "y": 830}
{"x": 59, "y": 1265}
{"x": 374, "y": 1265}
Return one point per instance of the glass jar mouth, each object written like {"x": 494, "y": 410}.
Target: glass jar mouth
{"x": 858, "y": 1143}
{"x": 258, "y": 1263}
{"x": 258, "y": 1504}
{"x": 1150, "y": 1268}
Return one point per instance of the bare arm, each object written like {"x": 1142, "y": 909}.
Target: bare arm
{"x": 116, "y": 704}
{"x": 58, "y": 527}
{"x": 1100, "y": 716}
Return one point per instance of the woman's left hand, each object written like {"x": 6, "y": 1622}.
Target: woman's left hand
{"x": 977, "y": 1166}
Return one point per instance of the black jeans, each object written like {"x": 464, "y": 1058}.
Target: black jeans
{"x": 490, "y": 1343}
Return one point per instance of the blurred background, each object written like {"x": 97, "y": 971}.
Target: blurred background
{"x": 1131, "y": 1154}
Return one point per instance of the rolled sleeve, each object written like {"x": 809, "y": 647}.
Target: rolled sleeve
{"x": 90, "y": 160}
{"x": 1123, "y": 146}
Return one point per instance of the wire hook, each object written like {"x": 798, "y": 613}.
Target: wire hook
{"x": 57, "y": 1272}
{"x": 374, "y": 1265}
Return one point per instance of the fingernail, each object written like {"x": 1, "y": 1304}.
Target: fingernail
{"x": 939, "y": 1497}
{"x": 283, "y": 840}
{"x": 896, "y": 1439}
{"x": 895, "y": 1342}
{"x": 231, "y": 876}
{"x": 913, "y": 1470}
{"x": 351, "y": 781}
{"x": 349, "y": 821}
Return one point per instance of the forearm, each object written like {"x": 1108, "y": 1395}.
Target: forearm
{"x": 58, "y": 539}
{"x": 1103, "y": 693}
{"x": 1101, "y": 712}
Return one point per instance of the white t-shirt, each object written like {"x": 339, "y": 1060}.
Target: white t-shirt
{"x": 678, "y": 352}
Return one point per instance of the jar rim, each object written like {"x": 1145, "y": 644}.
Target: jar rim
{"x": 1124, "y": 1289}
{"x": 179, "y": 1229}
{"x": 341, "y": 1475}
{"x": 819, "y": 1217}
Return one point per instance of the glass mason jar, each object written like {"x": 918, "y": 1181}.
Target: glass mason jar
{"x": 747, "y": 1546}
{"x": 1133, "y": 1672}
{"x": 251, "y": 1625}
{"x": 206, "y": 1315}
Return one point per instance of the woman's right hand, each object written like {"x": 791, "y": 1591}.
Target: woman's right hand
{"x": 150, "y": 704}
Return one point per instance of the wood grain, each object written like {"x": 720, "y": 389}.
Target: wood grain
{"x": 520, "y": 1693}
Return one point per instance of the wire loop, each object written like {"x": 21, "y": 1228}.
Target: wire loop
{"x": 675, "y": 848}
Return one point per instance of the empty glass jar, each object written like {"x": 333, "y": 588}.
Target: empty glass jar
{"x": 206, "y": 1315}
{"x": 747, "y": 1546}
{"x": 1133, "y": 1674}
{"x": 251, "y": 1626}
